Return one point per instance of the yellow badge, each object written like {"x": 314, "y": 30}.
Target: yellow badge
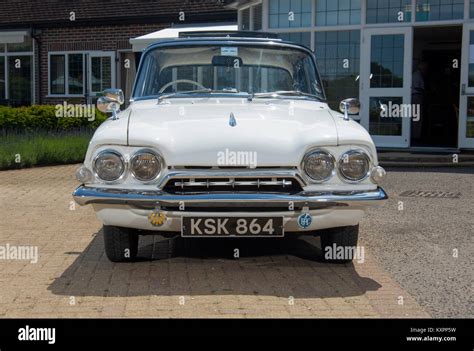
{"x": 157, "y": 218}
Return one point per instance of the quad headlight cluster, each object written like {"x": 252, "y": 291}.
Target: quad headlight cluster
{"x": 352, "y": 166}
{"x": 110, "y": 166}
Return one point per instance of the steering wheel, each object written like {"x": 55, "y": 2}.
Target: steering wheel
{"x": 178, "y": 81}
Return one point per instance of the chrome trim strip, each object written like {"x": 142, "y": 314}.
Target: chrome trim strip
{"x": 85, "y": 195}
{"x": 233, "y": 183}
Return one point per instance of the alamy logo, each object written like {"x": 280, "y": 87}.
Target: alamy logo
{"x": 37, "y": 334}
{"x": 66, "y": 110}
{"x": 22, "y": 253}
{"x": 237, "y": 158}
{"x": 336, "y": 252}
{"x": 392, "y": 110}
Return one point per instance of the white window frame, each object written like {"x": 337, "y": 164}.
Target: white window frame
{"x": 86, "y": 56}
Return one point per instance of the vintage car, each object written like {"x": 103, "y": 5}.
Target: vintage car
{"x": 228, "y": 136}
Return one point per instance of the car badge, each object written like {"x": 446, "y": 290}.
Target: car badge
{"x": 232, "y": 120}
{"x": 157, "y": 218}
{"x": 305, "y": 220}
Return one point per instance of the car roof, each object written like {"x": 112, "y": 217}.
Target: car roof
{"x": 209, "y": 40}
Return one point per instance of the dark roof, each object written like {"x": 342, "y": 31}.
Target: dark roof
{"x": 28, "y": 13}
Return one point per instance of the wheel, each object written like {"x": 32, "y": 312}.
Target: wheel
{"x": 121, "y": 244}
{"x": 339, "y": 245}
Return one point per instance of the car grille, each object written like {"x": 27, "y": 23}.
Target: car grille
{"x": 232, "y": 185}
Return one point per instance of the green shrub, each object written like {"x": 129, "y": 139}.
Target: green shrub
{"x": 34, "y": 136}
{"x": 43, "y": 117}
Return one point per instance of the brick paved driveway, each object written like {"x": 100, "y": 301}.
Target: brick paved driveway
{"x": 73, "y": 278}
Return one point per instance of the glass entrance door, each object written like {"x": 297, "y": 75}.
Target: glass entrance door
{"x": 466, "y": 101}
{"x": 386, "y": 85}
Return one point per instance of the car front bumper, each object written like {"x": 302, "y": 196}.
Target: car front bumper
{"x": 130, "y": 208}
{"x": 152, "y": 199}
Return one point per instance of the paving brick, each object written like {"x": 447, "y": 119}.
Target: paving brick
{"x": 72, "y": 264}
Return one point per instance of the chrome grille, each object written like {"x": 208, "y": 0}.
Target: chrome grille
{"x": 226, "y": 185}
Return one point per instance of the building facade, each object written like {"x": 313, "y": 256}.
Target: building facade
{"x": 56, "y": 50}
{"x": 416, "y": 56}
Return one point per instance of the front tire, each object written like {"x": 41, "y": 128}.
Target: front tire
{"x": 345, "y": 237}
{"x": 121, "y": 244}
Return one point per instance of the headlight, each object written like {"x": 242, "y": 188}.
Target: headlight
{"x": 354, "y": 166}
{"x": 109, "y": 166}
{"x": 146, "y": 165}
{"x": 319, "y": 165}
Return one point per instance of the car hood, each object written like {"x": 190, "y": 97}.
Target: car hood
{"x": 193, "y": 132}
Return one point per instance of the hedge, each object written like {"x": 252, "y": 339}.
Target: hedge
{"x": 43, "y": 117}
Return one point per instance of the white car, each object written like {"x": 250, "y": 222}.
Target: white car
{"x": 228, "y": 137}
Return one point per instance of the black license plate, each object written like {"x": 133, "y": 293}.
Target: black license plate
{"x": 194, "y": 227}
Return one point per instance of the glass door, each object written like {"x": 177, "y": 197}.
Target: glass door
{"x": 466, "y": 103}
{"x": 386, "y": 85}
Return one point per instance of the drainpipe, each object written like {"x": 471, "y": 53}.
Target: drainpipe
{"x": 37, "y": 40}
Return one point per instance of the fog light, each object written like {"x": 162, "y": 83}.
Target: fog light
{"x": 378, "y": 173}
{"x": 83, "y": 174}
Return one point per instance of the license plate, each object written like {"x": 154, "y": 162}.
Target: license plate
{"x": 194, "y": 227}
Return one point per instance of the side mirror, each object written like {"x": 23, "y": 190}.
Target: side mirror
{"x": 349, "y": 107}
{"x": 111, "y": 102}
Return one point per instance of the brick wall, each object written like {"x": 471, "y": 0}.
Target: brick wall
{"x": 110, "y": 38}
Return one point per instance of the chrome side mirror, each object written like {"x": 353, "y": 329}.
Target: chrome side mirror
{"x": 111, "y": 102}
{"x": 349, "y": 107}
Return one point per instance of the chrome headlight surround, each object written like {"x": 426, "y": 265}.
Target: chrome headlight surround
{"x": 158, "y": 157}
{"x": 123, "y": 168}
{"x": 342, "y": 161}
{"x": 329, "y": 156}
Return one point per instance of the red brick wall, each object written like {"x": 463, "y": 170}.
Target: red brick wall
{"x": 110, "y": 38}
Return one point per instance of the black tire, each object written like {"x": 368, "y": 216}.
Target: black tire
{"x": 341, "y": 237}
{"x": 121, "y": 244}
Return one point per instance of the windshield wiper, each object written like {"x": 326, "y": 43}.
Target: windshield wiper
{"x": 197, "y": 91}
{"x": 284, "y": 93}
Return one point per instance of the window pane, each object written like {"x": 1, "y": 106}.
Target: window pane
{"x": 338, "y": 56}
{"x": 337, "y": 12}
{"x": 386, "y": 61}
{"x": 26, "y": 46}
{"x": 57, "y": 69}
{"x": 381, "y": 122}
{"x": 289, "y": 13}
{"x": 76, "y": 74}
{"x": 471, "y": 59}
{"x": 470, "y": 117}
{"x": 257, "y": 17}
{"x": 101, "y": 74}
{"x": 436, "y": 10}
{"x": 300, "y": 38}
{"x": 2, "y": 79}
{"x": 19, "y": 80}
{"x": 245, "y": 22}
{"x": 388, "y": 11}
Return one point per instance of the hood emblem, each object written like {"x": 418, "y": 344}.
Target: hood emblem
{"x": 232, "y": 120}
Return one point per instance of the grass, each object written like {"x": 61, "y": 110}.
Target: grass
{"x": 42, "y": 148}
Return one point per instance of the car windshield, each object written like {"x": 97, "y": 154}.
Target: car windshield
{"x": 258, "y": 70}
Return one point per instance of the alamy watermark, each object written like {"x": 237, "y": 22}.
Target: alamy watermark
{"x": 237, "y": 158}
{"x": 19, "y": 253}
{"x": 37, "y": 334}
{"x": 392, "y": 110}
{"x": 66, "y": 110}
{"x": 336, "y": 252}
